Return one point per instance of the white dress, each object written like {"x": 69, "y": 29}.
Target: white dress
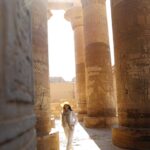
{"x": 68, "y": 122}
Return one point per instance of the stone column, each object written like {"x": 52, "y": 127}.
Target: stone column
{"x": 74, "y": 15}
{"x": 17, "y": 119}
{"x": 41, "y": 72}
{"x": 100, "y": 101}
{"x": 131, "y": 26}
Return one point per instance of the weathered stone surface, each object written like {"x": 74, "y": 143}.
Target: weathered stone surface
{"x": 25, "y": 141}
{"x": 75, "y": 15}
{"x": 43, "y": 123}
{"x": 17, "y": 119}
{"x": 132, "y": 53}
{"x": 14, "y": 127}
{"x": 99, "y": 79}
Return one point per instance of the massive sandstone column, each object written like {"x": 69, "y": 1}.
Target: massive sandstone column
{"x": 41, "y": 72}
{"x": 131, "y": 26}
{"x": 75, "y": 16}
{"x": 17, "y": 119}
{"x": 100, "y": 105}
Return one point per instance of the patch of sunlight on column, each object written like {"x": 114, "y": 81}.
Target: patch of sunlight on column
{"x": 109, "y": 19}
{"x": 81, "y": 140}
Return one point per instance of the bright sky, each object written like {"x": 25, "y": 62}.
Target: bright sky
{"x": 61, "y": 45}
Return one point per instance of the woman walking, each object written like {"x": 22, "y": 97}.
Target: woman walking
{"x": 68, "y": 122}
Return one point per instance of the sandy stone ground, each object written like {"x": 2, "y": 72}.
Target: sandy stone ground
{"x": 87, "y": 139}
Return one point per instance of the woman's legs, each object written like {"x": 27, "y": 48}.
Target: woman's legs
{"x": 69, "y": 140}
{"x": 66, "y": 130}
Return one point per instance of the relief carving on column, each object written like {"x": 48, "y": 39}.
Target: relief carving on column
{"x": 17, "y": 120}
{"x": 19, "y": 81}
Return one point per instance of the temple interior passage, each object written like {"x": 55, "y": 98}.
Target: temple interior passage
{"x": 88, "y": 138}
{"x": 110, "y": 93}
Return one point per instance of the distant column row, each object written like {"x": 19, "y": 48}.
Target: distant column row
{"x": 94, "y": 84}
{"x": 94, "y": 81}
{"x": 75, "y": 16}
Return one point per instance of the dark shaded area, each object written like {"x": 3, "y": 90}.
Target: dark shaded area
{"x": 102, "y": 137}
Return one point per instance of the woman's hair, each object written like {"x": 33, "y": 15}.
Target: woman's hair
{"x": 69, "y": 107}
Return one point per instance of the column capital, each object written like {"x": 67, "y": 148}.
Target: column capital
{"x": 75, "y": 16}
{"x": 90, "y": 2}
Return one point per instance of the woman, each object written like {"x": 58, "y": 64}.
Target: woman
{"x": 68, "y": 122}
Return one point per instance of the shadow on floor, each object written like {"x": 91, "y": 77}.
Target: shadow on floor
{"x": 102, "y": 138}
{"x": 87, "y": 139}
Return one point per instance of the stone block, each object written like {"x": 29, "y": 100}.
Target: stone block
{"x": 49, "y": 142}
{"x": 94, "y": 122}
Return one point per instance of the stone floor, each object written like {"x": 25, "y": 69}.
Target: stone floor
{"x": 87, "y": 139}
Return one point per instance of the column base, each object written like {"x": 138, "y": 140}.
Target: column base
{"x": 81, "y": 117}
{"x": 100, "y": 122}
{"x": 94, "y": 122}
{"x": 131, "y": 138}
{"x": 111, "y": 121}
{"x": 48, "y": 142}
